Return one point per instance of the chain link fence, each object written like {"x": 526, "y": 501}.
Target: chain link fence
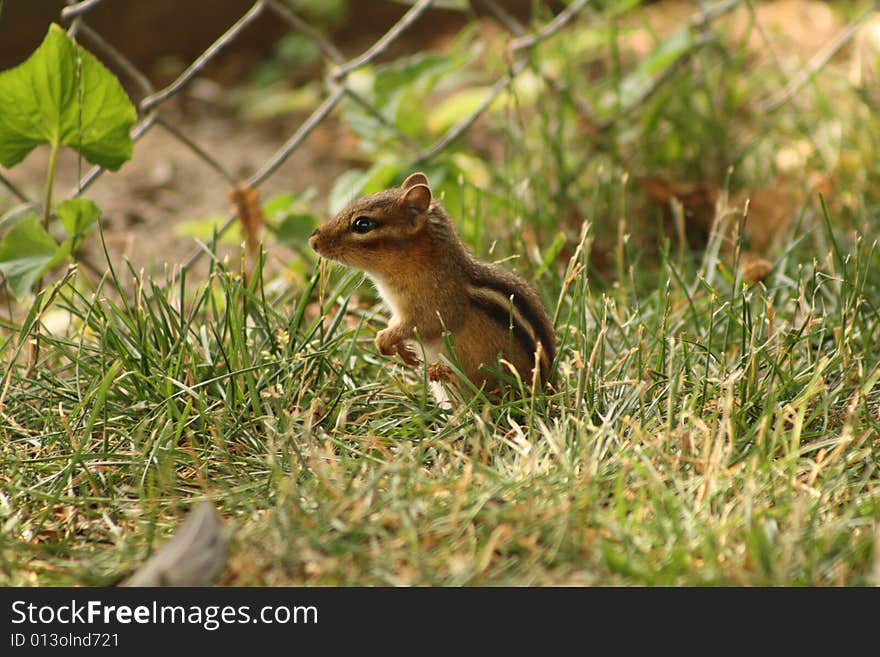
{"x": 520, "y": 43}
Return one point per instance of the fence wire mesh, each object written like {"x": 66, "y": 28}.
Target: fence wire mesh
{"x": 338, "y": 70}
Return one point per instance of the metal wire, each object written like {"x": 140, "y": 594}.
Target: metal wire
{"x": 521, "y": 43}
{"x": 336, "y": 85}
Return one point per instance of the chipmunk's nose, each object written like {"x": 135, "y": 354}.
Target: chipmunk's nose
{"x": 313, "y": 238}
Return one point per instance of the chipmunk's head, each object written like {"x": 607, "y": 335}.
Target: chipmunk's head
{"x": 382, "y": 232}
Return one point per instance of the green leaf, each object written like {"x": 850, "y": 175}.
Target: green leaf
{"x": 352, "y": 184}
{"x": 288, "y": 218}
{"x": 346, "y": 189}
{"x": 295, "y": 228}
{"x": 78, "y": 216}
{"x": 62, "y": 95}
{"x": 455, "y": 107}
{"x": 400, "y": 90}
{"x": 279, "y": 205}
{"x": 421, "y": 71}
{"x": 26, "y": 253}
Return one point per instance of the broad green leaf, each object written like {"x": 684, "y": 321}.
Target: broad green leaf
{"x": 62, "y": 95}
{"x": 279, "y": 205}
{"x": 78, "y": 216}
{"x": 345, "y": 190}
{"x": 288, "y": 218}
{"x": 381, "y": 175}
{"x": 352, "y": 184}
{"x": 400, "y": 90}
{"x": 421, "y": 71}
{"x": 455, "y": 107}
{"x": 26, "y": 253}
{"x": 295, "y": 228}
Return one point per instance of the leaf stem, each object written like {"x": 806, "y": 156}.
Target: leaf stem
{"x": 50, "y": 183}
{"x": 34, "y": 354}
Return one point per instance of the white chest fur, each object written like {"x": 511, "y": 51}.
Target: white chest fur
{"x": 393, "y": 299}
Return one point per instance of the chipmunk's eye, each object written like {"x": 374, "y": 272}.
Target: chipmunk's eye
{"x": 363, "y": 224}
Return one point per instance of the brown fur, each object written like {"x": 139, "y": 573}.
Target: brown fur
{"x": 430, "y": 281}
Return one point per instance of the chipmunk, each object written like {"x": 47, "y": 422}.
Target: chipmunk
{"x": 406, "y": 242}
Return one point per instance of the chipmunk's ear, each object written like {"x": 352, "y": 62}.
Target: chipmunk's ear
{"x": 417, "y": 178}
{"x": 416, "y": 199}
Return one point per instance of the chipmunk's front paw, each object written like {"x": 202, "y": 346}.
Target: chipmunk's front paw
{"x": 407, "y": 354}
{"x": 389, "y": 344}
{"x": 386, "y": 342}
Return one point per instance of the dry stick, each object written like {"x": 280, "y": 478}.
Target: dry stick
{"x": 816, "y": 64}
{"x": 252, "y": 14}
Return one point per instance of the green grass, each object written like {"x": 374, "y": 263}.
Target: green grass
{"x": 704, "y": 429}
{"x": 710, "y": 433}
